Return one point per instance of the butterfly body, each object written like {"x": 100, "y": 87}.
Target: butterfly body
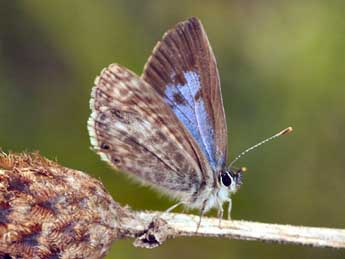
{"x": 167, "y": 128}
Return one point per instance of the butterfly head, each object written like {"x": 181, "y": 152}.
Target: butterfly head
{"x": 231, "y": 179}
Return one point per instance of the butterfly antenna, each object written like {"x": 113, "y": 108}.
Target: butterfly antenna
{"x": 283, "y": 132}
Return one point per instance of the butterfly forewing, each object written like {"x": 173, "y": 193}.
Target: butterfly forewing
{"x": 183, "y": 70}
{"x": 133, "y": 129}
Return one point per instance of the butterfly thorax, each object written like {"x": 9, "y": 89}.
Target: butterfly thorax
{"x": 226, "y": 182}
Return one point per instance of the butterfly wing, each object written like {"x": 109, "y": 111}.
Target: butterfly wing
{"x": 183, "y": 70}
{"x": 134, "y": 130}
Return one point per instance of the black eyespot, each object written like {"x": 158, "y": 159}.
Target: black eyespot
{"x": 105, "y": 146}
{"x": 116, "y": 160}
{"x": 226, "y": 179}
{"x": 102, "y": 117}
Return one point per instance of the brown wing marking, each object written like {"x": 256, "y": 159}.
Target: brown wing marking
{"x": 134, "y": 130}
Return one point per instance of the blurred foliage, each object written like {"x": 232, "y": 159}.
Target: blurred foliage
{"x": 281, "y": 63}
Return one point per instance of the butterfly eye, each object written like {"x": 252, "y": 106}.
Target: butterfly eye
{"x": 226, "y": 179}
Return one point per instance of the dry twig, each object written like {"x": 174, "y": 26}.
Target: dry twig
{"x": 48, "y": 211}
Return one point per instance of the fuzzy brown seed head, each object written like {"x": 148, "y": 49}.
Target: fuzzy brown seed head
{"x": 48, "y": 211}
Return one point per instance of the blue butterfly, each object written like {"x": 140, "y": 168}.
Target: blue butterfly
{"x": 167, "y": 128}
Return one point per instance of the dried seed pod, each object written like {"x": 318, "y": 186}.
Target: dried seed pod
{"x": 48, "y": 211}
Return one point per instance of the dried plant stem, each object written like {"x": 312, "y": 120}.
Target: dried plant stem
{"x": 185, "y": 225}
{"x": 49, "y": 211}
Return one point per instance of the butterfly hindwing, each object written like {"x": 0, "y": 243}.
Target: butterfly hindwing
{"x": 183, "y": 70}
{"x": 133, "y": 129}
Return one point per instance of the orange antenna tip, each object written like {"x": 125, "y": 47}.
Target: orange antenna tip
{"x": 286, "y": 131}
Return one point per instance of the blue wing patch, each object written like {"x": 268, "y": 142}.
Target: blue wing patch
{"x": 186, "y": 101}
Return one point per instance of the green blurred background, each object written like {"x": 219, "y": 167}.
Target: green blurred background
{"x": 281, "y": 63}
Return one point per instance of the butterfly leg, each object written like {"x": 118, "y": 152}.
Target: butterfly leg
{"x": 161, "y": 214}
{"x": 229, "y": 207}
{"x": 174, "y": 207}
{"x": 202, "y": 212}
{"x": 220, "y": 213}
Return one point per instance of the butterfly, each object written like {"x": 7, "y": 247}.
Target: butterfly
{"x": 167, "y": 128}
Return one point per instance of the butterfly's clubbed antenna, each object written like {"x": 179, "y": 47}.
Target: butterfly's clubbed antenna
{"x": 283, "y": 132}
